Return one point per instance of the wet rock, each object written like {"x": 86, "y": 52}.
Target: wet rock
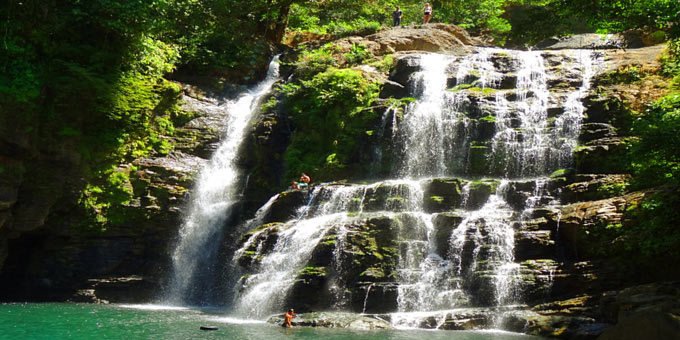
{"x": 444, "y": 224}
{"x": 478, "y": 160}
{"x": 534, "y": 245}
{"x": 262, "y": 240}
{"x": 594, "y": 131}
{"x": 485, "y": 129}
{"x": 595, "y": 187}
{"x": 393, "y": 89}
{"x": 375, "y": 298}
{"x": 645, "y": 325}
{"x": 603, "y": 156}
{"x": 387, "y": 196}
{"x": 518, "y": 192}
{"x": 662, "y": 297}
{"x": 285, "y": 207}
{"x": 442, "y": 195}
{"x": 577, "y": 219}
{"x": 405, "y": 66}
{"x": 479, "y": 193}
{"x": 127, "y": 289}
{"x": 310, "y": 279}
{"x": 540, "y": 322}
{"x": 607, "y": 110}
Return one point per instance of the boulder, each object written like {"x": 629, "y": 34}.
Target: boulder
{"x": 594, "y": 131}
{"x": 430, "y": 38}
{"x": 401, "y": 73}
{"x": 594, "y": 41}
{"x": 375, "y": 297}
{"x": 645, "y": 325}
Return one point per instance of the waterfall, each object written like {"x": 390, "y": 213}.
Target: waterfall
{"x": 212, "y": 199}
{"x": 491, "y": 119}
{"x": 428, "y": 134}
{"x": 568, "y": 125}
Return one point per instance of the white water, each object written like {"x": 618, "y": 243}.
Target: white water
{"x": 213, "y": 195}
{"x": 568, "y": 125}
{"x": 428, "y": 134}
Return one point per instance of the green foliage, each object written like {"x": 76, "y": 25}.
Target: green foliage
{"x": 670, "y": 62}
{"x": 656, "y": 155}
{"x": 648, "y": 235}
{"x": 311, "y": 62}
{"x": 535, "y": 20}
{"x": 614, "y": 189}
{"x": 103, "y": 201}
{"x": 383, "y": 64}
{"x": 357, "y": 54}
{"x": 650, "y": 232}
{"x": 331, "y": 115}
{"x": 86, "y": 77}
{"x": 626, "y": 75}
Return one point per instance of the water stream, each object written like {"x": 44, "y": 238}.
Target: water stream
{"x": 194, "y": 259}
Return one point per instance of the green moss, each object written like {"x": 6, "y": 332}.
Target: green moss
{"x": 273, "y": 226}
{"x": 373, "y": 273}
{"x": 486, "y": 91}
{"x": 626, "y": 75}
{"x": 461, "y": 87}
{"x": 488, "y": 119}
{"x": 437, "y": 199}
{"x": 312, "y": 272}
{"x": 384, "y": 63}
{"x": 560, "y": 173}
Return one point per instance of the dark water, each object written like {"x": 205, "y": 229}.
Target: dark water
{"x": 87, "y": 321}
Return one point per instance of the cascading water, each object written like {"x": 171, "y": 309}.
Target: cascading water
{"x": 437, "y": 139}
{"x": 212, "y": 198}
{"x": 429, "y": 134}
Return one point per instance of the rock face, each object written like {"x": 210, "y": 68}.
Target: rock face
{"x": 50, "y": 255}
{"x": 643, "y": 312}
{"x": 629, "y": 39}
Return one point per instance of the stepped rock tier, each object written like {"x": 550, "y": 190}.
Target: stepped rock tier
{"x": 457, "y": 225}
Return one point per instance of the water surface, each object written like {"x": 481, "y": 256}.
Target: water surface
{"x": 88, "y": 321}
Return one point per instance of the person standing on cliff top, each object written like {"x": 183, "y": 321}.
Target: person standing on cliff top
{"x": 288, "y": 318}
{"x": 396, "y": 17}
{"x": 427, "y": 13}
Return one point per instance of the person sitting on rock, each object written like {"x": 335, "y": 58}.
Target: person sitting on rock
{"x": 288, "y": 318}
{"x": 304, "y": 181}
{"x": 294, "y": 185}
